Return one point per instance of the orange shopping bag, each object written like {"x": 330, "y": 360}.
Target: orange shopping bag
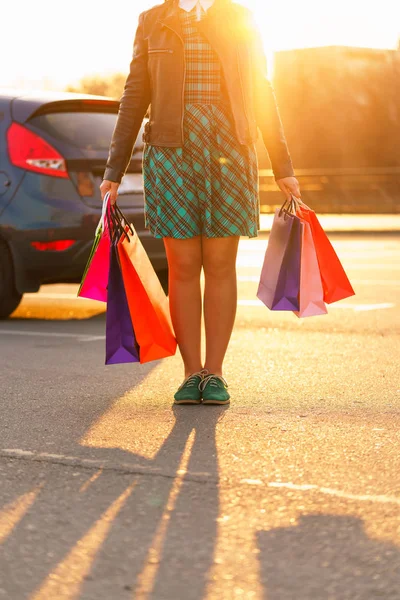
{"x": 311, "y": 296}
{"x": 148, "y": 304}
{"x": 335, "y": 282}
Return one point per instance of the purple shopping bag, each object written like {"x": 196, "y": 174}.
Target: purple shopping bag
{"x": 121, "y": 344}
{"x": 288, "y": 286}
{"x": 279, "y": 291}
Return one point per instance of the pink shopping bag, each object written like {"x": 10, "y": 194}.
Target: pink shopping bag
{"x": 311, "y": 294}
{"x": 95, "y": 283}
{"x": 95, "y": 278}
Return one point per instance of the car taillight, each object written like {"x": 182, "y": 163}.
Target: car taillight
{"x": 56, "y": 246}
{"x": 31, "y": 152}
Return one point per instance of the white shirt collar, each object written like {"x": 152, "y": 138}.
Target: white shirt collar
{"x": 189, "y": 4}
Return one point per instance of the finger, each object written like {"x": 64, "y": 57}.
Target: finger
{"x": 113, "y": 196}
{"x": 295, "y": 190}
{"x": 104, "y": 188}
{"x": 288, "y": 192}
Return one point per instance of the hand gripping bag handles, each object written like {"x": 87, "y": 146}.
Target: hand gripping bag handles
{"x": 95, "y": 277}
{"x": 279, "y": 284}
{"x": 148, "y": 304}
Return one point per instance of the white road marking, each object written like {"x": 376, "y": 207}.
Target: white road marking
{"x": 156, "y": 470}
{"x": 241, "y": 302}
{"x": 338, "y": 493}
{"x": 249, "y": 302}
{"x": 251, "y": 481}
{"x": 77, "y": 336}
{"x": 363, "y": 307}
{"x": 251, "y": 261}
{"x": 49, "y": 296}
{"x": 345, "y": 305}
{"x": 256, "y": 278}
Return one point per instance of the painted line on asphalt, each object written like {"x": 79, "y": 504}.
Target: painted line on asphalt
{"x": 257, "y": 262}
{"x": 77, "y": 336}
{"x": 49, "y": 296}
{"x": 380, "y": 498}
{"x": 89, "y": 463}
{"x": 345, "y": 305}
{"x": 243, "y": 302}
{"x": 256, "y": 278}
{"x": 149, "y": 469}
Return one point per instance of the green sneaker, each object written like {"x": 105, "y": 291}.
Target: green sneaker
{"x": 214, "y": 390}
{"x": 189, "y": 391}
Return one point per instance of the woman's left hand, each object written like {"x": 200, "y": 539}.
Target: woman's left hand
{"x": 289, "y": 186}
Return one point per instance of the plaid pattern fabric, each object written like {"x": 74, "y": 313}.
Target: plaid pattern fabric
{"x": 204, "y": 81}
{"x": 210, "y": 185}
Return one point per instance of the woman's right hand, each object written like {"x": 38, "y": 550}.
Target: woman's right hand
{"x": 109, "y": 186}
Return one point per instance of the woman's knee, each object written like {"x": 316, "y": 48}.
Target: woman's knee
{"x": 184, "y": 259}
{"x": 184, "y": 268}
{"x": 219, "y": 258}
{"x": 219, "y": 267}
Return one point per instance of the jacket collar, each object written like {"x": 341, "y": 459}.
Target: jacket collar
{"x": 190, "y": 4}
{"x": 170, "y": 16}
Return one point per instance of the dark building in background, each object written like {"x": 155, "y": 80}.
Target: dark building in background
{"x": 341, "y": 111}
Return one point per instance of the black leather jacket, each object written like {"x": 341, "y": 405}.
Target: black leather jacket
{"x": 157, "y": 76}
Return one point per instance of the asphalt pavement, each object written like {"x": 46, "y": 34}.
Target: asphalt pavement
{"x": 108, "y": 491}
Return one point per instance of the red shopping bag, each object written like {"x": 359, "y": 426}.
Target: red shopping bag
{"x": 148, "y": 304}
{"x": 335, "y": 282}
{"x": 311, "y": 296}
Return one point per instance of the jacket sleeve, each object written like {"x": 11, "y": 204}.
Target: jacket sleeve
{"x": 134, "y": 103}
{"x": 267, "y": 113}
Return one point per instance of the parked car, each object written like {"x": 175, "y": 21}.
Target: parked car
{"x": 53, "y": 151}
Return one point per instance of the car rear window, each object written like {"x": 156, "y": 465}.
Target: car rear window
{"x": 85, "y": 130}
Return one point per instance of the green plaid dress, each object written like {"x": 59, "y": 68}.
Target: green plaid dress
{"x": 209, "y": 186}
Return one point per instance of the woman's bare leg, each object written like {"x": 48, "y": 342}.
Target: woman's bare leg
{"x": 220, "y": 297}
{"x": 184, "y": 262}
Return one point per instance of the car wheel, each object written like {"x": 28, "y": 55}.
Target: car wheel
{"x": 9, "y": 296}
{"x": 163, "y": 277}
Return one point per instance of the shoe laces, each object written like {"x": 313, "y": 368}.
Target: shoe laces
{"x": 190, "y": 381}
{"x": 212, "y": 380}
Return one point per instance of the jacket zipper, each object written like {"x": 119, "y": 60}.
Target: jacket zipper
{"x": 184, "y": 77}
{"x": 158, "y": 50}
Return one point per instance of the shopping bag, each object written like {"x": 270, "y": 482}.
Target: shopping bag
{"x": 288, "y": 285}
{"x": 335, "y": 282}
{"x": 94, "y": 283}
{"x": 148, "y": 304}
{"x": 311, "y": 291}
{"x": 279, "y": 292}
{"x": 95, "y": 277}
{"x": 121, "y": 344}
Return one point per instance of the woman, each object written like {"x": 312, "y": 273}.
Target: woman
{"x": 200, "y": 66}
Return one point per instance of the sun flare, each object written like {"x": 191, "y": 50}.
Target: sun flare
{"x": 91, "y": 43}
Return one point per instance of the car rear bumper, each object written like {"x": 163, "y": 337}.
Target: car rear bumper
{"x": 34, "y": 268}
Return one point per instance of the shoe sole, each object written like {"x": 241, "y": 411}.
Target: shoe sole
{"x": 187, "y": 401}
{"x": 216, "y": 401}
